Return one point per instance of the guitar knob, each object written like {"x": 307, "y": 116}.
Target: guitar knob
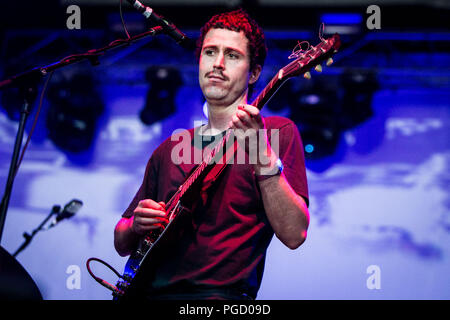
{"x": 307, "y": 75}
{"x": 329, "y": 61}
{"x": 318, "y": 68}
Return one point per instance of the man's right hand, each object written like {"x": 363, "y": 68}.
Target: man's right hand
{"x": 149, "y": 215}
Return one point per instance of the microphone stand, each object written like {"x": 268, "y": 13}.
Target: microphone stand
{"x": 29, "y": 96}
{"x": 28, "y": 237}
{"x": 28, "y": 82}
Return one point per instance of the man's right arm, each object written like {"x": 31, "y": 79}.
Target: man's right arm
{"x": 125, "y": 239}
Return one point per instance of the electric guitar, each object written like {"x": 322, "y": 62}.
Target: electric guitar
{"x": 140, "y": 267}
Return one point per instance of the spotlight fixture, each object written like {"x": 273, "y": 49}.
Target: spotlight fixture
{"x": 74, "y": 109}
{"x": 314, "y": 109}
{"x": 160, "y": 103}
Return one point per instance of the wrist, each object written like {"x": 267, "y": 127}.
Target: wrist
{"x": 274, "y": 168}
{"x": 266, "y": 161}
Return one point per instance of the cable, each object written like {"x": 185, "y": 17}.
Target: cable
{"x": 123, "y": 21}
{"x": 102, "y": 262}
{"x": 34, "y": 123}
{"x": 296, "y": 53}
{"x": 100, "y": 280}
{"x": 321, "y": 31}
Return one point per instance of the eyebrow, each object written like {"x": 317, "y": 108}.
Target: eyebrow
{"x": 227, "y": 49}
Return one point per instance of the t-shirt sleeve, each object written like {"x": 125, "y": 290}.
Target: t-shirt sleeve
{"x": 293, "y": 159}
{"x": 148, "y": 188}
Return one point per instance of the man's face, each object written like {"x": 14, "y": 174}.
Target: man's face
{"x": 224, "y": 69}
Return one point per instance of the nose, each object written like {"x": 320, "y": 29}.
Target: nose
{"x": 219, "y": 63}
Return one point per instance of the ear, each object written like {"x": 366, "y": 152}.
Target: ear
{"x": 254, "y": 74}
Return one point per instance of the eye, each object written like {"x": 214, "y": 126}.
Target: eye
{"x": 233, "y": 55}
{"x": 208, "y": 52}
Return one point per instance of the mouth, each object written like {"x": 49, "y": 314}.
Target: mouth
{"x": 213, "y": 76}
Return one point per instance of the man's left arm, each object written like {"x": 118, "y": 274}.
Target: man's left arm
{"x": 286, "y": 210}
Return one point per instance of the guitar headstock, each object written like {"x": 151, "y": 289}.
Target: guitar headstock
{"x": 311, "y": 58}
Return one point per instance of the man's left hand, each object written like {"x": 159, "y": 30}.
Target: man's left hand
{"x": 250, "y": 131}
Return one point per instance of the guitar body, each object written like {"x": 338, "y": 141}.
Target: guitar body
{"x": 141, "y": 266}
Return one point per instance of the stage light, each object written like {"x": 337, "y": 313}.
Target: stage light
{"x": 342, "y": 23}
{"x": 160, "y": 103}
{"x": 74, "y": 109}
{"x": 320, "y": 139}
{"x": 341, "y": 18}
{"x": 310, "y": 99}
{"x": 315, "y": 108}
{"x": 309, "y": 148}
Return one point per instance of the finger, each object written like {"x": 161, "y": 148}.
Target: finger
{"x": 139, "y": 228}
{"x": 150, "y": 221}
{"x": 237, "y": 123}
{"x": 157, "y": 226}
{"x": 252, "y": 111}
{"x": 142, "y": 230}
{"x": 149, "y": 203}
{"x": 245, "y": 118}
{"x": 149, "y": 213}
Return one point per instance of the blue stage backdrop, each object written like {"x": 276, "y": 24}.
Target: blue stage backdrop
{"x": 379, "y": 202}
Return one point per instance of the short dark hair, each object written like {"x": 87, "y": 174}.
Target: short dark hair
{"x": 238, "y": 20}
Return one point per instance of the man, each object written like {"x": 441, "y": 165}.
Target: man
{"x": 222, "y": 252}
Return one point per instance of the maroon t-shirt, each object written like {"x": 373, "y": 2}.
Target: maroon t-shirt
{"x": 231, "y": 233}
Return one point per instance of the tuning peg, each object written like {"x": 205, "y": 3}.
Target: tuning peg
{"x": 329, "y": 61}
{"x": 307, "y": 75}
{"x": 318, "y": 68}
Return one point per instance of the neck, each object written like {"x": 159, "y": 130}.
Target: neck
{"x": 219, "y": 116}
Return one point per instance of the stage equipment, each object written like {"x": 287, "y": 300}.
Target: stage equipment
{"x": 69, "y": 210}
{"x": 15, "y": 282}
{"x": 160, "y": 103}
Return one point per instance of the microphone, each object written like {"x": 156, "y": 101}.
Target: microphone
{"x": 69, "y": 210}
{"x": 168, "y": 27}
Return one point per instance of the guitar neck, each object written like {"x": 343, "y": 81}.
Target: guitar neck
{"x": 268, "y": 92}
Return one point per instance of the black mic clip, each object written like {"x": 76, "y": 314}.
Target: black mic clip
{"x": 168, "y": 27}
